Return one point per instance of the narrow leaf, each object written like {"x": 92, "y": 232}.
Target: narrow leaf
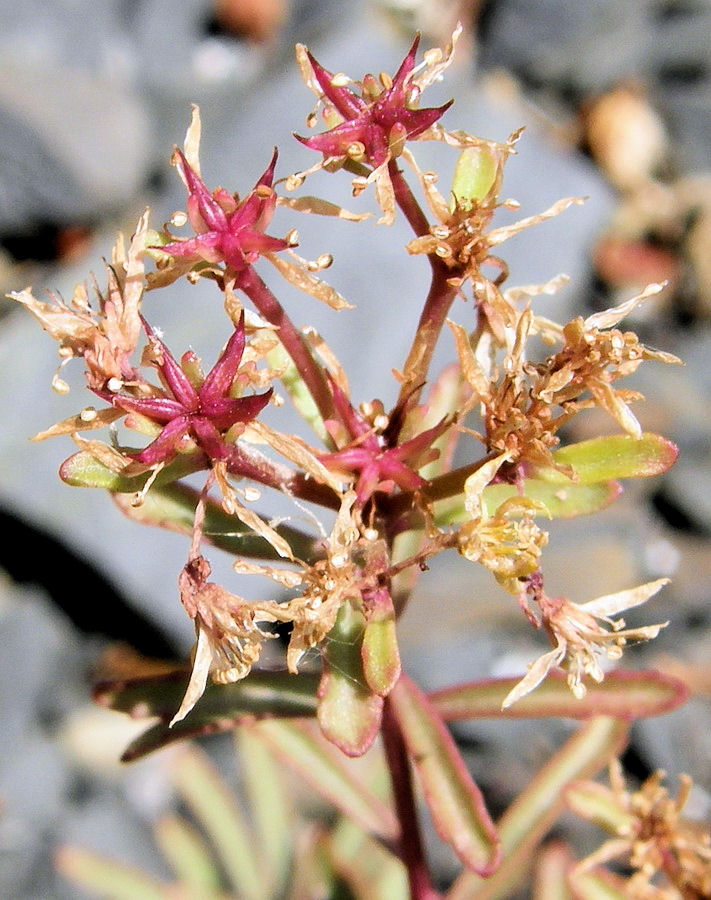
{"x": 187, "y": 853}
{"x": 560, "y": 501}
{"x": 329, "y": 773}
{"x": 173, "y": 507}
{"x": 107, "y": 878}
{"x": 615, "y": 456}
{"x": 84, "y": 470}
{"x": 380, "y": 653}
{"x": 598, "y": 884}
{"x": 216, "y": 809}
{"x": 550, "y": 880}
{"x": 531, "y": 815}
{"x": 626, "y": 695}
{"x": 272, "y": 811}
{"x": 372, "y": 872}
{"x": 349, "y": 712}
{"x": 456, "y": 805}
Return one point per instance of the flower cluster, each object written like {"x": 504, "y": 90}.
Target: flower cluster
{"x": 379, "y": 475}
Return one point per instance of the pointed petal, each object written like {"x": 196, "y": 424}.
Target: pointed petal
{"x": 227, "y": 411}
{"x": 211, "y": 212}
{"x": 209, "y": 438}
{"x": 205, "y": 246}
{"x": 337, "y": 141}
{"x": 406, "y": 66}
{"x": 219, "y": 379}
{"x": 348, "y": 104}
{"x": 160, "y": 409}
{"x": 166, "y": 444}
{"x": 175, "y": 378}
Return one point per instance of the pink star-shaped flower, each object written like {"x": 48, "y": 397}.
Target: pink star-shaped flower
{"x": 379, "y": 120}
{"x": 379, "y": 467}
{"x": 227, "y": 230}
{"x": 204, "y": 413}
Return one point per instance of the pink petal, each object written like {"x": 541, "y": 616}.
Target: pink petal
{"x": 348, "y": 104}
{"x": 175, "y": 378}
{"x": 219, "y": 379}
{"x": 166, "y": 444}
{"x": 211, "y": 212}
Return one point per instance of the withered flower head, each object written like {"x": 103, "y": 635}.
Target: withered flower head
{"x": 204, "y": 413}
{"x": 507, "y": 543}
{"x": 107, "y": 336}
{"x": 670, "y": 855}
{"x": 583, "y": 633}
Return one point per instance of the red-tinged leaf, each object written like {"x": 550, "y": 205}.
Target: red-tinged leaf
{"x": 615, "y": 456}
{"x": 329, "y": 773}
{"x": 599, "y": 804}
{"x": 349, "y": 712}
{"x": 626, "y": 695}
{"x": 550, "y": 879}
{"x": 173, "y": 507}
{"x": 105, "y": 877}
{"x": 219, "y": 709}
{"x": 455, "y": 802}
{"x": 380, "y": 653}
{"x": 598, "y": 884}
{"x": 529, "y": 818}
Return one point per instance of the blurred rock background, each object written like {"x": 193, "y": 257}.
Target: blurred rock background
{"x": 617, "y": 103}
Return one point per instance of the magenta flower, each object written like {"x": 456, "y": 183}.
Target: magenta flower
{"x": 204, "y": 413}
{"x": 379, "y": 467}
{"x": 227, "y": 230}
{"x": 377, "y": 123}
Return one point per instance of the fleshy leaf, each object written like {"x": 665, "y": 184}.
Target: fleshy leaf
{"x": 599, "y": 884}
{"x": 200, "y": 785}
{"x": 278, "y": 359}
{"x": 219, "y": 708}
{"x": 627, "y": 695}
{"x": 614, "y": 456}
{"x": 598, "y": 803}
{"x": 107, "y": 878}
{"x": 271, "y": 809}
{"x": 349, "y": 712}
{"x": 380, "y": 652}
{"x": 84, "y": 470}
{"x": 455, "y": 802}
{"x": 474, "y": 175}
{"x": 173, "y": 507}
{"x": 561, "y": 501}
{"x": 188, "y": 855}
{"x": 534, "y": 811}
{"x": 372, "y": 871}
{"x": 329, "y": 773}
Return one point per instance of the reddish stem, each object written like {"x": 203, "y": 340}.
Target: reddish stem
{"x": 411, "y": 850}
{"x": 439, "y": 299}
{"x": 292, "y": 341}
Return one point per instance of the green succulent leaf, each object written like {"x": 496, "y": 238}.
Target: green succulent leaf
{"x": 455, "y": 802}
{"x": 172, "y": 507}
{"x": 107, "y": 878}
{"x": 626, "y": 695}
{"x": 614, "y": 456}
{"x": 188, "y": 855}
{"x": 535, "y": 810}
{"x": 349, "y": 711}
{"x": 215, "y": 807}
{"x": 84, "y": 470}
{"x": 329, "y": 773}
